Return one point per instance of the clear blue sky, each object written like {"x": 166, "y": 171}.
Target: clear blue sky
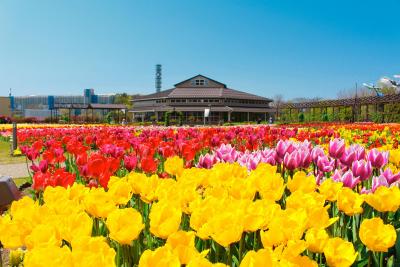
{"x": 294, "y": 48}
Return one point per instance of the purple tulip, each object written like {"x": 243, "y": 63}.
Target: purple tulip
{"x": 362, "y": 169}
{"x": 324, "y": 164}
{"x": 130, "y": 162}
{"x": 336, "y": 148}
{"x": 292, "y": 161}
{"x": 377, "y": 158}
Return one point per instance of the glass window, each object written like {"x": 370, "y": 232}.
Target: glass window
{"x": 200, "y": 82}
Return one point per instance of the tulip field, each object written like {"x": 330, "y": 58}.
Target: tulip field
{"x": 295, "y": 195}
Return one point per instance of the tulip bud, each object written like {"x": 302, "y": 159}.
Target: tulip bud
{"x": 336, "y": 148}
{"x": 362, "y": 169}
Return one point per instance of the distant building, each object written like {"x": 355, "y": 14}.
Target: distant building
{"x": 5, "y": 106}
{"x": 198, "y": 95}
{"x": 40, "y": 107}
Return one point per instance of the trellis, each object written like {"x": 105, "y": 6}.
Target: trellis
{"x": 355, "y": 109}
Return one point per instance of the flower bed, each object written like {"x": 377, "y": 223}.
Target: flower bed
{"x": 248, "y": 196}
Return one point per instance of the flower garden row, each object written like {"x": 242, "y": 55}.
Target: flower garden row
{"x": 237, "y": 196}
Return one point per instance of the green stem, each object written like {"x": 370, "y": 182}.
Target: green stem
{"x": 229, "y": 255}
{"x": 241, "y": 245}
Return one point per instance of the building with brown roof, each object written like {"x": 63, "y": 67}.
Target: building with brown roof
{"x": 192, "y": 98}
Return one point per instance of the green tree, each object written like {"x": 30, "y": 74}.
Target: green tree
{"x": 123, "y": 98}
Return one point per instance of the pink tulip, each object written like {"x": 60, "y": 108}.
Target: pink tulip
{"x": 390, "y": 177}
{"x": 226, "y": 153}
{"x": 292, "y": 161}
{"x": 130, "y": 162}
{"x": 348, "y": 157}
{"x": 281, "y": 148}
{"x": 378, "y": 181}
{"x": 253, "y": 162}
{"x": 324, "y": 164}
{"x": 336, "y": 148}
{"x": 206, "y": 161}
{"x": 377, "y": 158}
{"x": 305, "y": 158}
{"x": 268, "y": 156}
{"x": 359, "y": 151}
{"x": 346, "y": 178}
{"x": 362, "y": 169}
{"x": 43, "y": 166}
{"x": 349, "y": 180}
{"x": 316, "y": 153}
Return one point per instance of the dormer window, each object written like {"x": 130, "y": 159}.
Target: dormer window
{"x": 200, "y": 82}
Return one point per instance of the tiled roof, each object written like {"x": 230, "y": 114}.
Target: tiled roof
{"x": 194, "y": 92}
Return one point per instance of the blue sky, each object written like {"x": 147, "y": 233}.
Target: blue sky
{"x": 295, "y": 48}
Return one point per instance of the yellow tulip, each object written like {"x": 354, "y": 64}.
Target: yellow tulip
{"x": 288, "y": 224}
{"x": 339, "y": 253}
{"x": 124, "y": 225}
{"x": 165, "y": 218}
{"x": 99, "y": 203}
{"x": 75, "y": 224}
{"x": 258, "y": 215}
{"x": 226, "y": 228}
{"x": 182, "y": 244}
{"x": 12, "y": 232}
{"x": 174, "y": 166}
{"x": 330, "y": 189}
{"x": 302, "y": 182}
{"x": 316, "y": 239}
{"x": 267, "y": 182}
{"x": 349, "y": 202}
{"x": 43, "y": 236}
{"x": 376, "y": 235}
{"x": 384, "y": 199}
{"x": 120, "y": 191}
{"x": 48, "y": 256}
{"x": 262, "y": 257}
{"x": 162, "y": 256}
{"x": 92, "y": 251}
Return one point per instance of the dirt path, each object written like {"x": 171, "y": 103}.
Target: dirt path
{"x": 14, "y": 170}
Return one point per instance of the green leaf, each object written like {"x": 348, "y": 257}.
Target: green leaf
{"x": 397, "y": 247}
{"x": 390, "y": 262}
{"x": 235, "y": 261}
{"x": 361, "y": 263}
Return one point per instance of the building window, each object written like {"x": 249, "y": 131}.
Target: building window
{"x": 200, "y": 82}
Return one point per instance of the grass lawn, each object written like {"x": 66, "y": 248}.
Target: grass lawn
{"x": 5, "y": 157}
{"x": 20, "y": 181}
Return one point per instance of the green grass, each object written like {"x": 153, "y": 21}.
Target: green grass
{"x": 20, "y": 181}
{"x": 5, "y": 157}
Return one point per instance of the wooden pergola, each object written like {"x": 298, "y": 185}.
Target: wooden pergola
{"x": 89, "y": 107}
{"x": 358, "y": 108}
